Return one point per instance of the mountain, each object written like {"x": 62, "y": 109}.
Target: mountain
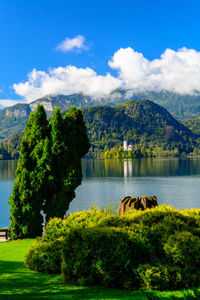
{"x": 64, "y": 102}
{"x": 180, "y": 106}
{"x": 142, "y": 123}
{"x": 13, "y": 119}
{"x": 139, "y": 122}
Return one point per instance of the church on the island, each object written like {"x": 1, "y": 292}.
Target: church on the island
{"x": 127, "y": 147}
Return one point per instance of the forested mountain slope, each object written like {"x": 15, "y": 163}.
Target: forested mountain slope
{"x": 139, "y": 122}
{"x": 142, "y": 123}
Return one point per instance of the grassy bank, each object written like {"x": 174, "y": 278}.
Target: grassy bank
{"x": 18, "y": 282}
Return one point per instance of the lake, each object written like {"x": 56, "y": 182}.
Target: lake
{"x": 174, "y": 182}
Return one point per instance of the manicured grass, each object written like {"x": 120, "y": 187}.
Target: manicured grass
{"x": 18, "y": 282}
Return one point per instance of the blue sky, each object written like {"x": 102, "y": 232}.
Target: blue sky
{"x": 43, "y": 35}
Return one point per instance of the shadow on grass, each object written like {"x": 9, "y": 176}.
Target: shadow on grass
{"x": 18, "y": 282}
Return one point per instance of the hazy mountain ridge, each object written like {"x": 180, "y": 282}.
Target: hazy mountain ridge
{"x": 180, "y": 106}
{"x": 14, "y": 118}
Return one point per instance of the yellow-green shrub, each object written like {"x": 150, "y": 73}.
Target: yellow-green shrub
{"x": 45, "y": 254}
{"x": 57, "y": 227}
{"x": 171, "y": 238}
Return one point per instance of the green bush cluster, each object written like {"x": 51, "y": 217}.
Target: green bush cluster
{"x": 45, "y": 254}
{"x": 108, "y": 257}
{"x": 154, "y": 249}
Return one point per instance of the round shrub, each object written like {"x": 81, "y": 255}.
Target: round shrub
{"x": 152, "y": 249}
{"x": 103, "y": 256}
{"x": 159, "y": 233}
{"x": 44, "y": 256}
{"x": 183, "y": 250}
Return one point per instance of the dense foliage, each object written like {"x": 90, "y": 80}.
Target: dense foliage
{"x": 108, "y": 257}
{"x": 153, "y": 249}
{"x": 193, "y": 125}
{"x": 147, "y": 126}
{"x": 55, "y": 230}
{"x": 48, "y": 170}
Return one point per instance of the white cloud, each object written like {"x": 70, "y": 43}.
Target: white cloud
{"x": 76, "y": 43}
{"x": 8, "y": 102}
{"x": 177, "y": 71}
{"x": 66, "y": 80}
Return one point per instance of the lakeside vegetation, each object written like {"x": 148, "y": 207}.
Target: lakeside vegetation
{"x": 141, "y": 152}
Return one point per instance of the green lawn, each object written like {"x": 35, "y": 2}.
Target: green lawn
{"x": 18, "y": 282}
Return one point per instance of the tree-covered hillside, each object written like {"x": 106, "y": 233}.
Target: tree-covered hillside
{"x": 141, "y": 123}
{"x": 180, "y": 106}
{"x": 193, "y": 125}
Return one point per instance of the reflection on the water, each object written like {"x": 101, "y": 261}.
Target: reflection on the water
{"x": 123, "y": 168}
{"x": 140, "y": 167}
{"x": 173, "y": 181}
{"x": 7, "y": 170}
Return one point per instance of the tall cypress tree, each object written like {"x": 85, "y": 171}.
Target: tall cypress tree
{"x": 48, "y": 171}
{"x": 69, "y": 144}
{"x": 26, "y": 201}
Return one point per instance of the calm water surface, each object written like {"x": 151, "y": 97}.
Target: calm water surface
{"x": 175, "y": 182}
